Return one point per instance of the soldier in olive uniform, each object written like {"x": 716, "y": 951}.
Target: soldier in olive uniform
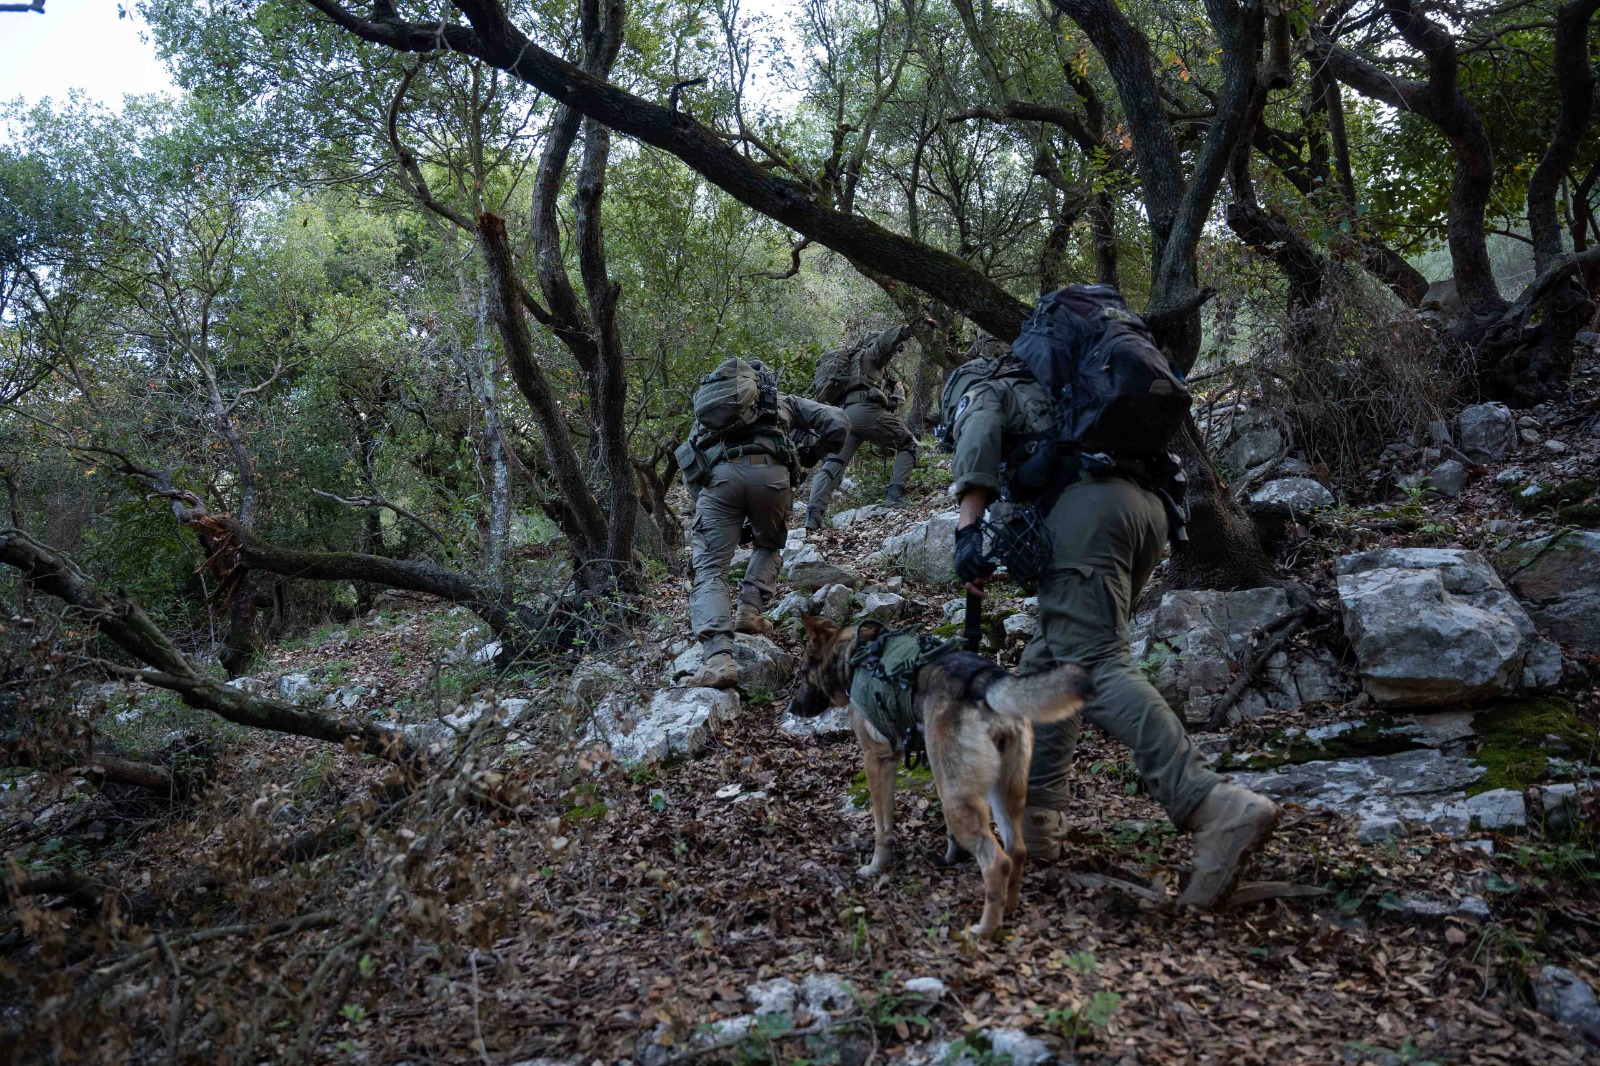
{"x": 1108, "y": 533}
{"x": 751, "y": 481}
{"x": 869, "y": 403}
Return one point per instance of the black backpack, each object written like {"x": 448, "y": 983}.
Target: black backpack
{"x": 1118, "y": 392}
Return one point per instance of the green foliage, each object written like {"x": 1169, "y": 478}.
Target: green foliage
{"x": 1515, "y": 741}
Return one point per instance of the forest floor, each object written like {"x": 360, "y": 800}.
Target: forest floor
{"x": 612, "y": 915}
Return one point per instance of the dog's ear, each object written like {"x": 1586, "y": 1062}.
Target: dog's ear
{"x": 818, "y": 629}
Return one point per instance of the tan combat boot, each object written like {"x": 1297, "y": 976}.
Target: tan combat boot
{"x": 1230, "y": 824}
{"x": 718, "y": 671}
{"x": 749, "y": 619}
{"x": 1042, "y": 830}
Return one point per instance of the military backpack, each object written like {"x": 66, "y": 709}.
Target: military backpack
{"x": 838, "y": 371}
{"x": 734, "y": 396}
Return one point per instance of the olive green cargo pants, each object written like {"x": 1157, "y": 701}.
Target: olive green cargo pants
{"x": 869, "y": 423}
{"x": 1108, "y": 537}
{"x": 754, "y": 487}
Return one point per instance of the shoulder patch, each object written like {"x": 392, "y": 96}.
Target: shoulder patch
{"x": 962, "y": 407}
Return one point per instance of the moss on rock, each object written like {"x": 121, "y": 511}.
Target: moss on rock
{"x": 1516, "y": 739}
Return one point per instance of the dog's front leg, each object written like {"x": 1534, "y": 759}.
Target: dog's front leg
{"x": 880, "y": 769}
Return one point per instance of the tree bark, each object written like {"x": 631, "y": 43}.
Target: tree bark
{"x": 1178, "y": 209}
{"x": 493, "y": 39}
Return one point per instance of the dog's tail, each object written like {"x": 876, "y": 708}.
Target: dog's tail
{"x": 1048, "y": 696}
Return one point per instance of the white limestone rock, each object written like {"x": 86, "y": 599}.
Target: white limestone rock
{"x": 831, "y": 723}
{"x": 677, "y": 722}
{"x": 884, "y": 607}
{"x": 762, "y": 664}
{"x": 925, "y": 552}
{"x": 856, "y": 515}
{"x": 293, "y": 687}
{"x": 1434, "y": 626}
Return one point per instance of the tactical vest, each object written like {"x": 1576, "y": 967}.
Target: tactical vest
{"x": 882, "y": 685}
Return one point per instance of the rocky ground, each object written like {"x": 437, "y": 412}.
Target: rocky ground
{"x": 679, "y": 884}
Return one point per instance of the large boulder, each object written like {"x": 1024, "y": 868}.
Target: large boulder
{"x": 677, "y": 722}
{"x": 763, "y": 666}
{"x": 927, "y": 551}
{"x": 1197, "y": 641}
{"x": 1434, "y": 626}
{"x": 1486, "y": 432}
{"x": 1559, "y": 578}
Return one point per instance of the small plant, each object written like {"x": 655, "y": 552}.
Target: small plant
{"x": 1118, "y": 770}
{"x": 1407, "y": 1052}
{"x": 1087, "y": 1019}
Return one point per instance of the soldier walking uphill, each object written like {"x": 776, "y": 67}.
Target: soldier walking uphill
{"x": 741, "y": 468}
{"x": 858, "y": 380}
{"x": 1071, "y": 429}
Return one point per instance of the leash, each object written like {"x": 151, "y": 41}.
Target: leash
{"x": 973, "y": 633}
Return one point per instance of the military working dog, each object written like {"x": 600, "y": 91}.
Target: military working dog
{"x": 978, "y": 723}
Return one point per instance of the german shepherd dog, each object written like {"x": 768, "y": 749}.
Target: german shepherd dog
{"x": 978, "y": 723}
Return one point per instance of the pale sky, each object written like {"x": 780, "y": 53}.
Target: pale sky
{"x": 77, "y": 44}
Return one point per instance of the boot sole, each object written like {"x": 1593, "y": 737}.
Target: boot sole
{"x": 1245, "y": 854}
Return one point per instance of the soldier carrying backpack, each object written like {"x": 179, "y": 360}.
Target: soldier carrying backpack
{"x": 741, "y": 470}
{"x": 857, "y": 378}
{"x": 1069, "y": 433}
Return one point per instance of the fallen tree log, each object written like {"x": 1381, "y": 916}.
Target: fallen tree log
{"x": 124, "y": 622}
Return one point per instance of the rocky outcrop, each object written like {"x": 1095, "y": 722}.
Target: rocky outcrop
{"x": 926, "y": 552}
{"x": 677, "y": 722}
{"x": 1388, "y": 795}
{"x": 1559, "y": 579}
{"x": 1197, "y": 641}
{"x": 762, "y": 664}
{"x": 1433, "y": 626}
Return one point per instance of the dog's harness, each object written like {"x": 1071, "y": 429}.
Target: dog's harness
{"x": 884, "y": 669}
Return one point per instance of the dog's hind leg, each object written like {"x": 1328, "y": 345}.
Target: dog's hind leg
{"x": 880, "y": 760}
{"x": 968, "y": 820}
{"x": 1007, "y": 802}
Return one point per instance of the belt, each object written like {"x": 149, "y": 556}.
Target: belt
{"x": 754, "y": 459}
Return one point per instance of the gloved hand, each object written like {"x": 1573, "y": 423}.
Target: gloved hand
{"x": 971, "y": 563}
{"x": 809, "y": 455}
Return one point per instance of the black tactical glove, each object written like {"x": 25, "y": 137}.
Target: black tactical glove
{"x": 809, "y": 456}
{"x": 971, "y": 563}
